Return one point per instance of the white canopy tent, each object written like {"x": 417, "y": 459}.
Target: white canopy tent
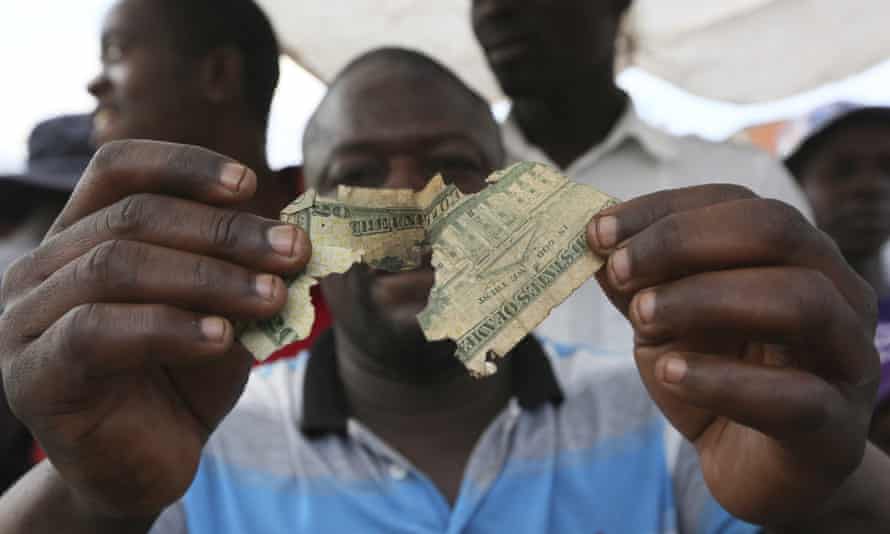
{"x": 742, "y": 51}
{"x": 324, "y": 34}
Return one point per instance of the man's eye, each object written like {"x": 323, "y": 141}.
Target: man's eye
{"x": 112, "y": 52}
{"x": 371, "y": 175}
{"x": 844, "y": 168}
{"x": 453, "y": 166}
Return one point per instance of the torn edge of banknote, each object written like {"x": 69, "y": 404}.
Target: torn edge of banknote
{"x": 384, "y": 228}
{"x": 504, "y": 257}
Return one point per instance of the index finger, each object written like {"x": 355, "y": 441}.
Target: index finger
{"x": 713, "y": 227}
{"x": 618, "y": 223}
{"x": 122, "y": 168}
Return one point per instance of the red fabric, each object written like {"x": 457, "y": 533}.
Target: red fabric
{"x": 322, "y": 315}
{"x": 37, "y": 454}
{"x": 322, "y": 322}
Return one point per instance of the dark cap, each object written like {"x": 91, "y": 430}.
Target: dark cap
{"x": 799, "y": 138}
{"x": 59, "y": 150}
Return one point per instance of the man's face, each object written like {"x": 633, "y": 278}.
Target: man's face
{"x": 848, "y": 184}
{"x": 534, "y": 46}
{"x": 395, "y": 134}
{"x": 147, "y": 88}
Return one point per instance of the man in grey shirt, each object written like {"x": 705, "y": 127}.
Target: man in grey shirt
{"x": 555, "y": 60}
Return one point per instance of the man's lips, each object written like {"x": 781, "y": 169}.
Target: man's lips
{"x": 403, "y": 287}
{"x": 103, "y": 118}
{"x": 507, "y": 51}
{"x": 506, "y": 46}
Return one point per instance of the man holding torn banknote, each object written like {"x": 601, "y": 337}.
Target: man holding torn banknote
{"x": 118, "y": 349}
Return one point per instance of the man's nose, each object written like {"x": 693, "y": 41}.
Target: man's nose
{"x": 406, "y": 173}
{"x": 99, "y": 85}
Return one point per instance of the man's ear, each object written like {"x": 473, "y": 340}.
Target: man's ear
{"x": 222, "y": 75}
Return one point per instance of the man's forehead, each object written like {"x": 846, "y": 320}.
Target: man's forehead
{"x": 133, "y": 17}
{"x": 362, "y": 116}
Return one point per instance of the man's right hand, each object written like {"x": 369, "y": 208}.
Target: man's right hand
{"x": 116, "y": 344}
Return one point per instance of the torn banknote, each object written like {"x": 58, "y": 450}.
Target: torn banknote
{"x": 503, "y": 257}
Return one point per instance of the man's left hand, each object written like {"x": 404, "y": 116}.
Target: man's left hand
{"x": 754, "y": 337}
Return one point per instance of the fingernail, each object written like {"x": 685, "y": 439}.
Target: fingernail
{"x": 646, "y": 306}
{"x": 283, "y": 240}
{"x": 607, "y": 231}
{"x": 674, "y": 370}
{"x": 266, "y": 286}
{"x": 233, "y": 175}
{"x": 620, "y": 264}
{"x": 213, "y": 328}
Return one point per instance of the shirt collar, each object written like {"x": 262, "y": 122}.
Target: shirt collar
{"x": 658, "y": 144}
{"x": 325, "y": 410}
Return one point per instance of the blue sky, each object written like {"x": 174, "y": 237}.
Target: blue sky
{"x": 50, "y": 49}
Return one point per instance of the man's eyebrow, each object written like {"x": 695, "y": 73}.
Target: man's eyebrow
{"x": 426, "y": 141}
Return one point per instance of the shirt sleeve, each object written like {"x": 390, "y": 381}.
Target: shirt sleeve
{"x": 171, "y": 521}
{"x": 697, "y": 510}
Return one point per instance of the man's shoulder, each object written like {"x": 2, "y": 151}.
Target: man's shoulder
{"x": 695, "y": 160}
{"x": 692, "y": 147}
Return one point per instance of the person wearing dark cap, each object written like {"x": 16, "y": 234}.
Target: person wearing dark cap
{"x": 59, "y": 150}
{"x": 840, "y": 154}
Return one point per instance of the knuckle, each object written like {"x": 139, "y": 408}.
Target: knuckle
{"x": 816, "y": 302}
{"x": 126, "y": 217}
{"x": 96, "y": 266}
{"x": 14, "y": 280}
{"x": 191, "y": 162}
{"x": 78, "y": 327}
{"x": 223, "y": 229}
{"x": 109, "y": 155}
{"x": 668, "y": 236}
{"x": 203, "y": 274}
{"x": 785, "y": 228}
{"x": 730, "y": 192}
{"x": 113, "y": 264}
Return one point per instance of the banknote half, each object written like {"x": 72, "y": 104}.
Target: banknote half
{"x": 384, "y": 228}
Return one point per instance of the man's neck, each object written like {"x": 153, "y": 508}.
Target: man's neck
{"x": 568, "y": 122}
{"x": 871, "y": 268}
{"x": 379, "y": 400}
{"x": 434, "y": 425}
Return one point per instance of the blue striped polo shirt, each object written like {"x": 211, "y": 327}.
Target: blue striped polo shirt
{"x": 580, "y": 448}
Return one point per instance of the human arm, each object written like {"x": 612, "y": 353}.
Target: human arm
{"x": 43, "y": 502}
{"x": 116, "y": 343}
{"x": 754, "y": 338}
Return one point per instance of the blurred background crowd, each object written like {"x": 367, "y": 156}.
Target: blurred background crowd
{"x": 788, "y": 98}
